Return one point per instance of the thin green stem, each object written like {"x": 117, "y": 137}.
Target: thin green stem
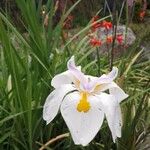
{"x": 114, "y": 35}
{"x": 98, "y": 62}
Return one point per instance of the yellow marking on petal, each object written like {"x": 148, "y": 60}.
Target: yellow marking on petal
{"x": 97, "y": 88}
{"x": 77, "y": 83}
{"x": 83, "y": 104}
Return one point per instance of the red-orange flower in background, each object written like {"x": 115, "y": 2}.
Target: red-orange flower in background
{"x": 119, "y": 38}
{"x": 95, "y": 42}
{"x": 109, "y": 39}
{"x": 95, "y": 25}
{"x": 142, "y": 15}
{"x": 107, "y": 25}
{"x": 95, "y": 18}
{"x": 68, "y": 22}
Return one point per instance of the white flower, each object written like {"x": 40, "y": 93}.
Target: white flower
{"x": 83, "y": 103}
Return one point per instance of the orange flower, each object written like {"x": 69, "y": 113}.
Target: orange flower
{"x": 68, "y": 22}
{"x": 95, "y": 18}
{"x": 142, "y": 15}
{"x": 95, "y": 25}
{"x": 107, "y": 25}
{"x": 95, "y": 42}
{"x": 119, "y": 38}
{"x": 109, "y": 39}
{"x": 70, "y": 17}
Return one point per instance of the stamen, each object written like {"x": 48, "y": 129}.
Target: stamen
{"x": 83, "y": 104}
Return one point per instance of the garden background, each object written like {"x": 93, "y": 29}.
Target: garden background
{"x": 37, "y": 38}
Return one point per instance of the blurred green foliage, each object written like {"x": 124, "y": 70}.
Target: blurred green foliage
{"x": 29, "y": 61}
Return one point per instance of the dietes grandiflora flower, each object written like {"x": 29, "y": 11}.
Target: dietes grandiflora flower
{"x": 83, "y": 102}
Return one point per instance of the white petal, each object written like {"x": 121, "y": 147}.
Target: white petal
{"x": 83, "y": 126}
{"x": 60, "y": 79}
{"x": 104, "y": 79}
{"x": 53, "y": 102}
{"x": 112, "y": 111}
{"x": 76, "y": 72}
{"x": 117, "y": 92}
{"x": 100, "y": 88}
{"x": 65, "y": 77}
{"x": 114, "y": 90}
{"x": 91, "y": 78}
{"x": 109, "y": 77}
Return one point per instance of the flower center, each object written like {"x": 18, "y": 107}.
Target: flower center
{"x": 83, "y": 104}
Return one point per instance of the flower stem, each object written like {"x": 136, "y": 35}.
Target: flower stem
{"x": 54, "y": 140}
{"x": 114, "y": 14}
{"x": 98, "y": 62}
